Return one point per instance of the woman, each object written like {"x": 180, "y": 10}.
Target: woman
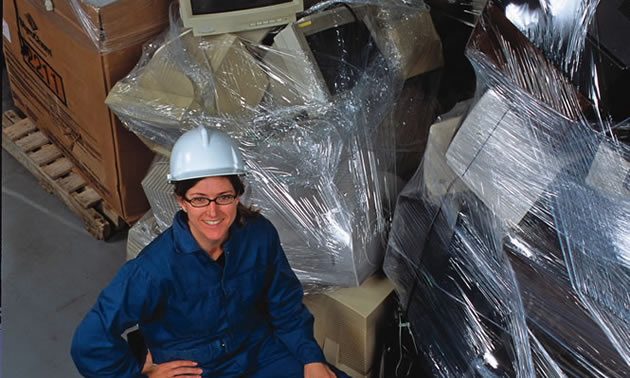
{"x": 213, "y": 295}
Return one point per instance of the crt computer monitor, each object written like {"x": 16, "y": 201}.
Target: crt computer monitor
{"x": 208, "y": 17}
{"x": 324, "y": 54}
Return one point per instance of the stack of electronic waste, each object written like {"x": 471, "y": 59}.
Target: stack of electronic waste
{"x": 510, "y": 246}
{"x": 331, "y": 113}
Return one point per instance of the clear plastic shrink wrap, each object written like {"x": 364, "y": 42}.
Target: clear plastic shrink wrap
{"x": 141, "y": 234}
{"x": 318, "y": 107}
{"x": 510, "y": 246}
{"x": 113, "y": 25}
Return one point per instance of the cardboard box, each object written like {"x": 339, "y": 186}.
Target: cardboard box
{"x": 114, "y": 24}
{"x": 60, "y": 80}
{"x": 349, "y": 324}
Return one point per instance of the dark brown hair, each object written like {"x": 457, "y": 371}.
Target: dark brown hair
{"x": 243, "y": 213}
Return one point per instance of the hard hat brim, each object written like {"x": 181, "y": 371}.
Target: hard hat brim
{"x": 206, "y": 173}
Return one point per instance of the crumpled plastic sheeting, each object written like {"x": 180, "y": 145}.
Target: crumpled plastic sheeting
{"x": 582, "y": 38}
{"x": 323, "y": 164}
{"x": 521, "y": 269}
{"x": 552, "y": 26}
{"x": 464, "y": 11}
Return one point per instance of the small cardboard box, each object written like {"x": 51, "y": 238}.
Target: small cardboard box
{"x": 60, "y": 79}
{"x": 349, "y": 324}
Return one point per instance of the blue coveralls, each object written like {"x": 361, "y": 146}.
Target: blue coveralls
{"x": 246, "y": 318}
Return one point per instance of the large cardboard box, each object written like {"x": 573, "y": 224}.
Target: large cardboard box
{"x": 349, "y": 324}
{"x": 60, "y": 79}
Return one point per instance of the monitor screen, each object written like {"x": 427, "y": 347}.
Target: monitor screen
{"x": 200, "y": 7}
{"x": 343, "y": 53}
{"x": 210, "y": 17}
{"x": 325, "y": 54}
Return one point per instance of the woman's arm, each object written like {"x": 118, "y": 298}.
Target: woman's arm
{"x": 292, "y": 322}
{"x": 98, "y": 349}
{"x": 318, "y": 370}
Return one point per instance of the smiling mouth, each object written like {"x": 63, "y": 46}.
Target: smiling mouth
{"x": 212, "y": 223}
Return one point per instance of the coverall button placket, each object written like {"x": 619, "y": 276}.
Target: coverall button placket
{"x": 226, "y": 291}
{"x": 225, "y": 294}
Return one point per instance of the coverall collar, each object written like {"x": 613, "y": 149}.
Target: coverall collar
{"x": 184, "y": 240}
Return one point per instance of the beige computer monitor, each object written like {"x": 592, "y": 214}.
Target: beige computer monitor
{"x": 302, "y": 78}
{"x": 229, "y": 16}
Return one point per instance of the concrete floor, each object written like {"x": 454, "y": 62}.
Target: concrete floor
{"x": 52, "y": 272}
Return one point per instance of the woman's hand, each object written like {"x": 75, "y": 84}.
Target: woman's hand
{"x": 170, "y": 369}
{"x": 318, "y": 370}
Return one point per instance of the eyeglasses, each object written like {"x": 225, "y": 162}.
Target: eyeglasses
{"x": 224, "y": 199}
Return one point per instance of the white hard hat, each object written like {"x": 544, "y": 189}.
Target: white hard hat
{"x": 204, "y": 153}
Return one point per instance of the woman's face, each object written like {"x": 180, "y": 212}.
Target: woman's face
{"x": 209, "y": 225}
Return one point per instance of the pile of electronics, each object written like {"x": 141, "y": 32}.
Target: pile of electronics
{"x": 318, "y": 105}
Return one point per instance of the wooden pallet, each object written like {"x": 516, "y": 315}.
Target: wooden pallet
{"x": 57, "y": 175}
